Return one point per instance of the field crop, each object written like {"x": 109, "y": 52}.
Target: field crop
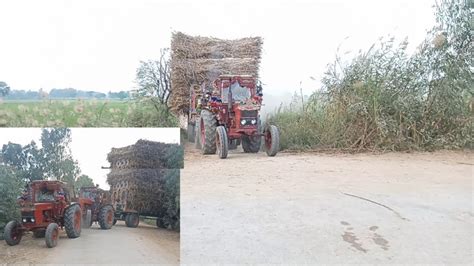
{"x": 83, "y": 113}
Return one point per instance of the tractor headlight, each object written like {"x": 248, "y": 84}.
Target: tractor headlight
{"x": 24, "y": 220}
{"x": 243, "y": 122}
{"x": 32, "y": 220}
{"x": 254, "y": 121}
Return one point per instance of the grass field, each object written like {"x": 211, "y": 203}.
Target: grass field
{"x": 82, "y": 113}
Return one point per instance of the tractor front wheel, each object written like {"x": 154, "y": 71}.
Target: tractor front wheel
{"x": 12, "y": 234}
{"x": 208, "y": 132}
{"x": 132, "y": 220}
{"x": 272, "y": 140}
{"x": 115, "y": 221}
{"x": 222, "y": 143}
{"x": 106, "y": 217}
{"x": 72, "y": 221}
{"x": 52, "y": 235}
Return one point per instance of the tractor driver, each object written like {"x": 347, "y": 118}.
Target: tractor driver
{"x": 46, "y": 195}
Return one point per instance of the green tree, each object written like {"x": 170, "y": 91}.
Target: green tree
{"x": 10, "y": 189}
{"x": 56, "y": 155}
{"x": 83, "y": 181}
{"x": 154, "y": 79}
{"x": 4, "y": 89}
{"x": 27, "y": 160}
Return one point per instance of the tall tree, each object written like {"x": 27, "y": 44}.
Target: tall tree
{"x": 27, "y": 160}
{"x": 4, "y": 89}
{"x": 56, "y": 155}
{"x": 154, "y": 79}
{"x": 83, "y": 181}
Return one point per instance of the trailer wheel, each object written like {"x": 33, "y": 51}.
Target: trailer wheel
{"x": 106, "y": 217}
{"x": 222, "y": 143}
{"x": 272, "y": 140}
{"x": 191, "y": 132}
{"x": 39, "y": 233}
{"x": 72, "y": 221}
{"x": 197, "y": 134}
{"x": 132, "y": 220}
{"x": 52, "y": 235}
{"x": 12, "y": 234}
{"x": 160, "y": 223}
{"x": 208, "y": 132}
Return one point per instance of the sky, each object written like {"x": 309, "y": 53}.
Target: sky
{"x": 97, "y": 45}
{"x": 90, "y": 146}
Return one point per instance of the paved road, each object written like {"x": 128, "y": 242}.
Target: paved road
{"x": 328, "y": 208}
{"x": 119, "y": 245}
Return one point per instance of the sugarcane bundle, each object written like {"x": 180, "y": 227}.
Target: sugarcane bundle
{"x": 147, "y": 154}
{"x": 148, "y": 191}
{"x": 195, "y": 60}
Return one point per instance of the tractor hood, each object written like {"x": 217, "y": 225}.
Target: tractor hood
{"x": 249, "y": 105}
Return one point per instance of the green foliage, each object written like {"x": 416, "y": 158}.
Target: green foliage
{"x": 4, "y": 89}
{"x": 85, "y": 113}
{"x": 56, "y": 155}
{"x": 10, "y": 189}
{"x": 83, "y": 181}
{"x": 148, "y": 113}
{"x": 26, "y": 160}
{"x": 386, "y": 99}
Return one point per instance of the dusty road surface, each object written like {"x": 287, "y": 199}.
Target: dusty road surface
{"x": 328, "y": 208}
{"x": 119, "y": 245}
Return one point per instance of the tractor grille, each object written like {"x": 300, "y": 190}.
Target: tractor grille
{"x": 28, "y": 217}
{"x": 249, "y": 113}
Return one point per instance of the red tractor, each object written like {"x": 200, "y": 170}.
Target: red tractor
{"x": 225, "y": 113}
{"x": 46, "y": 207}
{"x": 97, "y": 207}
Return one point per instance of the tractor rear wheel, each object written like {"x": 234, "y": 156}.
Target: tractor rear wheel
{"x": 222, "y": 143}
{"x": 132, "y": 220}
{"x": 272, "y": 140}
{"x": 232, "y": 144}
{"x": 106, "y": 217}
{"x": 251, "y": 144}
{"x": 191, "y": 132}
{"x": 208, "y": 132}
{"x": 52, "y": 235}
{"x": 39, "y": 233}
{"x": 72, "y": 221}
{"x": 197, "y": 134}
{"x": 12, "y": 234}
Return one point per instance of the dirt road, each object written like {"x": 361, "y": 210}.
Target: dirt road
{"x": 328, "y": 208}
{"x": 119, "y": 245}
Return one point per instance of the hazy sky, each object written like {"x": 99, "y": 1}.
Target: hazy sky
{"x": 90, "y": 146}
{"x": 97, "y": 45}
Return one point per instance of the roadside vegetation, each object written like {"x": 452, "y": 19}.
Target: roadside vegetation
{"x": 388, "y": 99}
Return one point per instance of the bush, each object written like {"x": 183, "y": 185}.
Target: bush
{"x": 10, "y": 189}
{"x": 386, "y": 99}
